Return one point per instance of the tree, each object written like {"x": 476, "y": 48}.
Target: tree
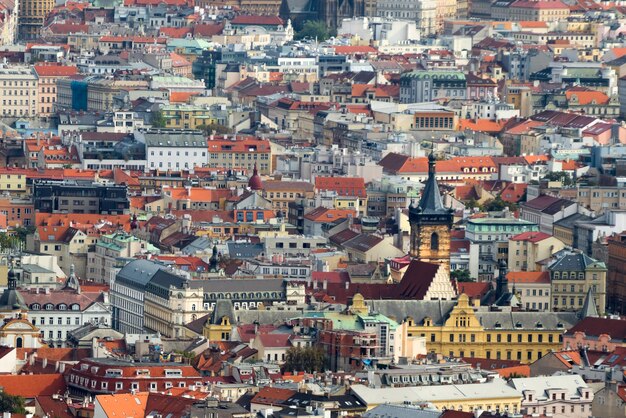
{"x": 219, "y": 129}
{"x": 497, "y": 204}
{"x": 561, "y": 176}
{"x": 308, "y": 359}
{"x": 13, "y": 404}
{"x": 314, "y": 29}
{"x": 461, "y": 275}
{"x": 23, "y": 231}
{"x": 158, "y": 120}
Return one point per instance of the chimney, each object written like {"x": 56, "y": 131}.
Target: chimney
{"x": 44, "y": 363}
{"x": 347, "y": 284}
{"x": 325, "y": 284}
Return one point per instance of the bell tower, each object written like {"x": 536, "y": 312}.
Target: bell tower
{"x": 431, "y": 223}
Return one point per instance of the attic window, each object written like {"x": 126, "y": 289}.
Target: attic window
{"x": 518, "y": 325}
{"x": 559, "y": 325}
{"x": 498, "y": 325}
{"x": 539, "y": 324}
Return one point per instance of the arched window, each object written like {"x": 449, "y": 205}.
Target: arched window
{"x": 434, "y": 241}
{"x": 19, "y": 342}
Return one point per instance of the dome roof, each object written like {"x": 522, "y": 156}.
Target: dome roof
{"x": 255, "y": 182}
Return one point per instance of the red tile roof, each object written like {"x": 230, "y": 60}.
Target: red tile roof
{"x": 55, "y": 70}
{"x": 351, "y": 50}
{"x": 246, "y": 145}
{"x": 67, "y": 28}
{"x": 269, "y": 396}
{"x": 31, "y": 386}
{"x": 531, "y": 236}
{"x": 343, "y": 186}
{"x": 481, "y": 125}
{"x": 543, "y": 4}
{"x": 528, "y": 277}
{"x": 513, "y": 192}
{"x": 475, "y": 290}
{"x": 257, "y": 20}
{"x": 585, "y": 96}
{"x": 590, "y": 326}
{"x": 322, "y": 214}
{"x": 275, "y": 340}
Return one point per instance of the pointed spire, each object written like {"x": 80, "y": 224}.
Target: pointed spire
{"x": 502, "y": 287}
{"x": 72, "y": 282}
{"x": 431, "y": 198}
{"x": 11, "y": 277}
{"x": 589, "y": 307}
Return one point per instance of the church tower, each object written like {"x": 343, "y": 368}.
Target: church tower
{"x": 431, "y": 223}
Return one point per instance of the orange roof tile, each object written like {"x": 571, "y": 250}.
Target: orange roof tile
{"x": 585, "y": 96}
{"x": 31, "y": 386}
{"x": 349, "y": 50}
{"x": 618, "y": 52}
{"x": 528, "y": 277}
{"x": 246, "y": 145}
{"x": 55, "y": 70}
{"x": 322, "y": 214}
{"x": 481, "y": 125}
{"x": 517, "y": 371}
{"x": 182, "y": 96}
{"x": 524, "y": 127}
{"x": 532, "y": 24}
{"x": 532, "y": 159}
{"x": 197, "y": 194}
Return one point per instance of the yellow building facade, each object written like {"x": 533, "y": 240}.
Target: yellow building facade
{"x": 470, "y": 332}
{"x": 187, "y": 116}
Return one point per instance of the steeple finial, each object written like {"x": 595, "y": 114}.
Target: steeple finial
{"x": 589, "y": 307}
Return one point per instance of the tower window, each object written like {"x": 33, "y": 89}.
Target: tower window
{"x": 434, "y": 242}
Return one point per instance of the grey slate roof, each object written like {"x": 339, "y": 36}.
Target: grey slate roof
{"x": 400, "y": 411}
{"x": 245, "y": 250}
{"x": 527, "y": 320}
{"x": 161, "y": 282}
{"x": 436, "y": 310}
{"x": 11, "y": 299}
{"x": 174, "y": 138}
{"x": 573, "y": 262}
{"x": 138, "y": 273}
{"x": 240, "y": 285}
{"x": 571, "y": 220}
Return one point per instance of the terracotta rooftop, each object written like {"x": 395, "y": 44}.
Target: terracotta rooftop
{"x": 31, "y": 386}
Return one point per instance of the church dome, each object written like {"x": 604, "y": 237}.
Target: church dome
{"x": 255, "y": 182}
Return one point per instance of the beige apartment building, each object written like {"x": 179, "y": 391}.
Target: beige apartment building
{"x": 32, "y": 16}
{"x": 530, "y": 10}
{"x": 533, "y": 288}
{"x": 573, "y": 276}
{"x": 527, "y": 249}
{"x": 48, "y": 76}
{"x": 18, "y": 87}
{"x": 171, "y": 302}
{"x": 100, "y": 92}
{"x": 600, "y": 199}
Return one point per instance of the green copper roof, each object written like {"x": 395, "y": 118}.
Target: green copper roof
{"x": 352, "y": 322}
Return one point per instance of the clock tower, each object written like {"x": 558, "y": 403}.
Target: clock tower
{"x": 431, "y": 223}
